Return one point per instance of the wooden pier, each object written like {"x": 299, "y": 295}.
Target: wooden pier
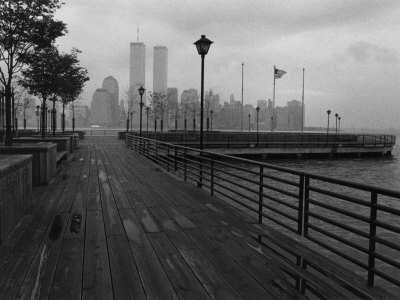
{"x": 114, "y": 226}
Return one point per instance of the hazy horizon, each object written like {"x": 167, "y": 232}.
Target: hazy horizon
{"x": 349, "y": 50}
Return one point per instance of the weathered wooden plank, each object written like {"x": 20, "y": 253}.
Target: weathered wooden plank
{"x": 96, "y": 273}
{"x": 177, "y": 236}
{"x": 186, "y": 284}
{"x": 67, "y": 283}
{"x": 245, "y": 285}
{"x": 217, "y": 286}
{"x": 146, "y": 219}
{"x": 125, "y": 278}
{"x": 155, "y": 281}
{"x": 38, "y": 280}
{"x": 112, "y": 220}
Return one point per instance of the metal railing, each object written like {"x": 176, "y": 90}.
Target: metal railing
{"x": 357, "y": 222}
{"x": 281, "y": 140}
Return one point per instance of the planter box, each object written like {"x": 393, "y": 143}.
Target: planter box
{"x": 63, "y": 143}
{"x": 44, "y": 162}
{"x": 15, "y": 190}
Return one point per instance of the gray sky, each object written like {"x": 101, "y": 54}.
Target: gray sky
{"x": 349, "y": 48}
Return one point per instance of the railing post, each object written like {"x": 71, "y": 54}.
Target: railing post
{"x": 372, "y": 235}
{"x": 212, "y": 176}
{"x": 260, "y": 195}
{"x": 184, "y": 166}
{"x": 306, "y": 204}
{"x": 176, "y": 156}
{"x": 167, "y": 157}
{"x": 300, "y": 212}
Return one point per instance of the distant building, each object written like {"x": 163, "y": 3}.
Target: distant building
{"x": 160, "y": 69}
{"x": 101, "y": 113}
{"x": 82, "y": 114}
{"x": 290, "y": 116}
{"x": 262, "y": 104}
{"x": 137, "y": 77}
{"x": 110, "y": 84}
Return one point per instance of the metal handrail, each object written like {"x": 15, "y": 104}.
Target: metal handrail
{"x": 289, "y": 191}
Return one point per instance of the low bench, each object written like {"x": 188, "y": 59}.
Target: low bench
{"x": 44, "y": 159}
{"x": 15, "y": 190}
{"x": 61, "y": 155}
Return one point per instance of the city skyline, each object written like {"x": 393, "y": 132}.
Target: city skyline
{"x": 349, "y": 50}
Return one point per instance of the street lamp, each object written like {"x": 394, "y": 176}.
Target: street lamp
{"x": 202, "y": 45}
{"x": 249, "y": 122}
{"x": 327, "y": 128}
{"x": 258, "y": 110}
{"x": 141, "y": 92}
{"x": 339, "y": 118}
{"x": 212, "y": 112}
{"x": 336, "y": 116}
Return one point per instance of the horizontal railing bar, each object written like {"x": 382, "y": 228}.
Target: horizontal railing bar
{"x": 236, "y": 192}
{"x": 387, "y": 260}
{"x": 272, "y": 198}
{"x": 238, "y": 202}
{"x": 289, "y": 182}
{"x": 339, "y": 210}
{"x": 387, "y": 277}
{"x": 387, "y": 226}
{"x": 288, "y": 227}
{"x": 278, "y": 211}
{"x": 388, "y": 209}
{"x": 340, "y": 196}
{"x": 387, "y": 243}
{"x": 236, "y": 175}
{"x": 236, "y": 184}
{"x": 338, "y": 224}
{"x": 337, "y": 252}
{"x": 280, "y": 190}
{"x": 338, "y": 238}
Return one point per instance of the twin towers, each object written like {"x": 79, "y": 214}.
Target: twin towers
{"x": 105, "y": 108}
{"x": 137, "y": 72}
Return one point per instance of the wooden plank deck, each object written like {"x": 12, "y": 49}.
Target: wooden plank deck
{"x": 112, "y": 226}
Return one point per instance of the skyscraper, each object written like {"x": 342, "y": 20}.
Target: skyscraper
{"x": 160, "y": 69}
{"x": 137, "y": 65}
{"x": 136, "y": 78}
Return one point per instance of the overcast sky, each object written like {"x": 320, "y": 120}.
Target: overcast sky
{"x": 349, "y": 49}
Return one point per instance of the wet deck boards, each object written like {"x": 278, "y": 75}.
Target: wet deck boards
{"x": 141, "y": 234}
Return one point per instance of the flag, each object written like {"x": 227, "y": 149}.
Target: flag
{"x": 278, "y": 73}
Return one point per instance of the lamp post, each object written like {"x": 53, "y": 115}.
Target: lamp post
{"x": 258, "y": 110}
{"x": 272, "y": 123}
{"x": 147, "y": 124}
{"x": 141, "y": 92}
{"x": 327, "y": 128}
{"x": 212, "y": 112}
{"x": 339, "y": 118}
{"x": 127, "y": 122}
{"x": 336, "y": 128}
{"x": 249, "y": 122}
{"x": 202, "y": 45}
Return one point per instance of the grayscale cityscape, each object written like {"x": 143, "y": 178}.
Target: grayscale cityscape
{"x": 199, "y": 149}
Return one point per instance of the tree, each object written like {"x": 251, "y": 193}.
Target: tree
{"x": 25, "y": 25}
{"x": 158, "y": 104}
{"x": 23, "y": 102}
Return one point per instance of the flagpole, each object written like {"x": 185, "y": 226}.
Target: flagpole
{"x": 273, "y": 106}
{"x": 241, "y": 119}
{"x": 302, "y": 107}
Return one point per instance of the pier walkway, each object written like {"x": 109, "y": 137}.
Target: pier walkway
{"x": 113, "y": 226}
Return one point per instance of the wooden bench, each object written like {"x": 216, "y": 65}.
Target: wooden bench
{"x": 61, "y": 155}
{"x": 338, "y": 278}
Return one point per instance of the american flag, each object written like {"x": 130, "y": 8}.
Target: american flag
{"x": 278, "y": 73}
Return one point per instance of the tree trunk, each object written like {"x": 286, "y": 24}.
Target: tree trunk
{"x": 9, "y": 136}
